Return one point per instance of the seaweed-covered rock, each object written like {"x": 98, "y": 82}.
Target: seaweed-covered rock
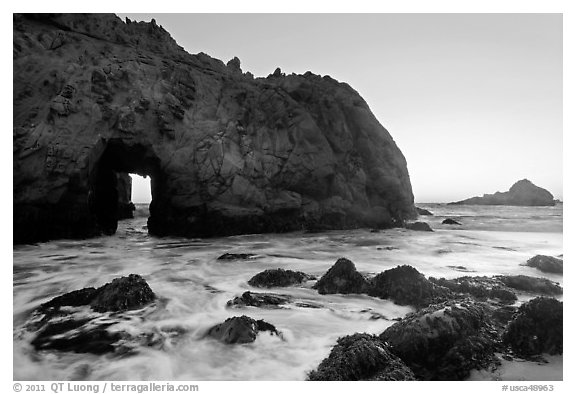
{"x": 419, "y": 226}
{"x": 546, "y": 264}
{"x": 531, "y": 284}
{"x": 361, "y": 357}
{"x": 341, "y": 278}
{"x": 423, "y": 212}
{"x": 444, "y": 341}
{"x": 240, "y": 329}
{"x": 406, "y": 286}
{"x": 451, "y": 221}
{"x": 122, "y": 294}
{"x": 260, "y": 300}
{"x": 279, "y": 278}
{"x": 537, "y": 328}
{"x": 480, "y": 287}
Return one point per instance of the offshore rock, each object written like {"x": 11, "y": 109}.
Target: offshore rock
{"x": 418, "y": 226}
{"x": 423, "y": 212}
{"x": 444, "y": 341}
{"x": 242, "y": 329}
{"x": 260, "y": 300}
{"x": 537, "y": 328}
{"x": 361, "y": 357}
{"x": 279, "y": 278}
{"x": 451, "y": 221}
{"x": 342, "y": 278}
{"x": 227, "y": 153}
{"x": 546, "y": 264}
{"x": 131, "y": 292}
{"x": 522, "y": 193}
{"x": 404, "y": 285}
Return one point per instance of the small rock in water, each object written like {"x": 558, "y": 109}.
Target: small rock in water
{"x": 418, "y": 226}
{"x": 240, "y": 329}
{"x": 451, "y": 221}
{"x": 279, "y": 278}
{"x": 236, "y": 256}
{"x": 537, "y": 328}
{"x": 546, "y": 264}
{"x": 342, "y": 278}
{"x": 361, "y": 357}
{"x": 61, "y": 330}
{"x": 406, "y": 286}
{"x": 423, "y": 212}
{"x": 266, "y": 300}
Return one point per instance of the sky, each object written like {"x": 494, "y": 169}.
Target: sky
{"x": 474, "y": 101}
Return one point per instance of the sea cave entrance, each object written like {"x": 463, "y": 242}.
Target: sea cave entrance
{"x": 112, "y": 190}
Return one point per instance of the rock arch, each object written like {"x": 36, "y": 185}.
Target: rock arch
{"x": 228, "y": 153}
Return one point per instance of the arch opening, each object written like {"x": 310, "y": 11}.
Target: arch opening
{"x": 111, "y": 184}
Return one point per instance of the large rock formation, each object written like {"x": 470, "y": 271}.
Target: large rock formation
{"x": 227, "y": 153}
{"x": 523, "y": 193}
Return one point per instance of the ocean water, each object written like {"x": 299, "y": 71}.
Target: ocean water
{"x": 193, "y": 287}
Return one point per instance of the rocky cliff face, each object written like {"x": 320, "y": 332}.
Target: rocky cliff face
{"x": 522, "y": 193}
{"x": 227, "y": 153}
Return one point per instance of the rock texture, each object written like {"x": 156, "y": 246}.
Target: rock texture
{"x": 537, "y": 328}
{"x": 546, "y": 264}
{"x": 523, "y": 193}
{"x": 279, "y": 278}
{"x": 423, "y": 212}
{"x": 240, "y": 329}
{"x": 227, "y": 153}
{"x": 361, "y": 357}
{"x": 342, "y": 278}
{"x": 444, "y": 341}
{"x": 404, "y": 285}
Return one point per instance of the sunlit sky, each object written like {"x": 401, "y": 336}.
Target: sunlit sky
{"x": 474, "y": 101}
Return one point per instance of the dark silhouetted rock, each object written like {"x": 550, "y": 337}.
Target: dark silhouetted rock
{"x": 61, "y": 329}
{"x": 423, "y": 212}
{"x": 522, "y": 193}
{"x": 537, "y": 328}
{"x": 451, "y": 221}
{"x": 361, "y": 357}
{"x": 531, "y": 284}
{"x": 341, "y": 278}
{"x": 125, "y": 206}
{"x": 241, "y": 329}
{"x": 444, "y": 341}
{"x": 74, "y": 336}
{"x": 74, "y": 298}
{"x": 227, "y": 153}
{"x": 236, "y": 256}
{"x": 479, "y": 287}
{"x": 279, "y": 278}
{"x": 406, "y": 286}
{"x": 128, "y": 292}
{"x": 418, "y": 226}
{"x": 546, "y": 264}
{"x": 265, "y": 300}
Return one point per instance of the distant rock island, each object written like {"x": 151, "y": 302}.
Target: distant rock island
{"x": 96, "y": 98}
{"x": 522, "y": 193}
